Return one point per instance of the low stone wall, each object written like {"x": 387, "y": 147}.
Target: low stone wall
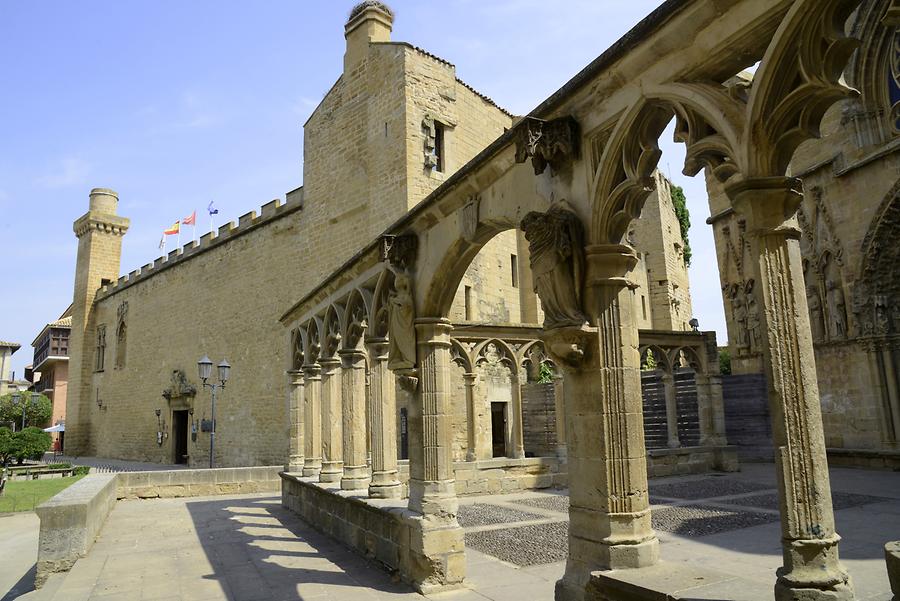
{"x": 380, "y": 529}
{"x": 500, "y": 475}
{"x": 864, "y": 458}
{"x": 691, "y": 460}
{"x": 198, "y": 483}
{"x": 71, "y": 521}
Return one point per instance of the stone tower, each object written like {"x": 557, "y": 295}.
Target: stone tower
{"x": 99, "y": 233}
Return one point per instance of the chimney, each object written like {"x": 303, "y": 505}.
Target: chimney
{"x": 370, "y": 21}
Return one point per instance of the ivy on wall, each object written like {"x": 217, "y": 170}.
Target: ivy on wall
{"x": 684, "y": 220}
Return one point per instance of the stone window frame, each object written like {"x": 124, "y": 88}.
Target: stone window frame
{"x": 100, "y": 349}
{"x": 121, "y": 345}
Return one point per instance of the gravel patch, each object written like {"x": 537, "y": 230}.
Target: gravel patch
{"x": 526, "y": 545}
{"x": 839, "y": 500}
{"x": 558, "y": 503}
{"x": 484, "y": 514}
{"x": 701, "y": 520}
{"x": 704, "y": 489}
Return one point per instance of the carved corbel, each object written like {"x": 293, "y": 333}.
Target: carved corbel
{"x": 552, "y": 143}
{"x": 570, "y": 346}
{"x": 408, "y": 379}
{"x": 469, "y": 218}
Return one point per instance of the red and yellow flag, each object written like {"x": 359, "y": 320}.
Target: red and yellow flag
{"x": 174, "y": 229}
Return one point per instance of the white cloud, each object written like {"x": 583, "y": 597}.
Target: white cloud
{"x": 71, "y": 171}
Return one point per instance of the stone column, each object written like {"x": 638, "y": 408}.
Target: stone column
{"x": 609, "y": 513}
{"x": 471, "y": 417}
{"x": 295, "y": 413}
{"x": 383, "y": 413}
{"x": 332, "y": 422}
{"x": 312, "y": 412}
{"x": 437, "y": 539}
{"x": 353, "y": 401}
{"x": 518, "y": 426}
{"x": 560, "y": 409}
{"x": 668, "y": 381}
{"x": 812, "y": 570}
{"x": 711, "y": 409}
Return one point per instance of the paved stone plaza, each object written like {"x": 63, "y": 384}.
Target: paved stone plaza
{"x": 248, "y": 548}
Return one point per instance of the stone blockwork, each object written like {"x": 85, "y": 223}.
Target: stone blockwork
{"x": 197, "y": 483}
{"x": 71, "y": 521}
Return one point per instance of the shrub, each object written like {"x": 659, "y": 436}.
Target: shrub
{"x": 81, "y": 470}
{"x": 30, "y": 443}
{"x": 6, "y": 445}
{"x": 725, "y": 361}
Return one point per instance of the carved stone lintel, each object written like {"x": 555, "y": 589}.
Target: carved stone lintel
{"x": 552, "y": 143}
{"x": 180, "y": 387}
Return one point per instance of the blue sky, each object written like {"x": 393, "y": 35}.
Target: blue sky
{"x": 175, "y": 104}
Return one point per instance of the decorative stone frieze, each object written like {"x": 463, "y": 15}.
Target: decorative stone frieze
{"x": 554, "y": 143}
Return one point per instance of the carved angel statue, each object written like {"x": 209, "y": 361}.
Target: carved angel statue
{"x": 557, "y": 262}
{"x": 401, "y": 323}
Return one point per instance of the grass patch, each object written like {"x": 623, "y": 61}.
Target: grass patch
{"x": 25, "y": 495}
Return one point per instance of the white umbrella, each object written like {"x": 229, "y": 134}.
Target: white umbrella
{"x": 56, "y": 428}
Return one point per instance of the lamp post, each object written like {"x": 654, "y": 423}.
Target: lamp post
{"x": 17, "y": 396}
{"x": 204, "y": 365}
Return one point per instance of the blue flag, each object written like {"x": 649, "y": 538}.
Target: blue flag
{"x": 211, "y": 210}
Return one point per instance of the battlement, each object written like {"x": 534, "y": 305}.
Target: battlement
{"x": 268, "y": 213}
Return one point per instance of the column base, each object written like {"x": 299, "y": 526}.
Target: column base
{"x": 385, "y": 485}
{"x": 294, "y": 467}
{"x": 311, "y": 468}
{"x": 331, "y": 471}
{"x": 355, "y": 477}
{"x": 840, "y": 592}
{"x": 812, "y": 572}
{"x": 591, "y": 556}
{"x": 434, "y": 498}
{"x": 437, "y": 556}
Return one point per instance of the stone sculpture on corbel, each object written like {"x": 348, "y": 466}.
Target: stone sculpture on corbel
{"x": 556, "y": 244}
{"x": 399, "y": 252}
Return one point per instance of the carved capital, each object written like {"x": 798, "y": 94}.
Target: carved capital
{"x": 408, "y": 379}
{"x": 554, "y": 143}
{"x": 768, "y": 203}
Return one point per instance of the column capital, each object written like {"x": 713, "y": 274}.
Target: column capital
{"x": 769, "y": 204}
{"x": 351, "y": 354}
{"x": 296, "y": 376}
{"x": 329, "y": 364}
{"x": 610, "y": 264}
{"x": 312, "y": 371}
{"x": 470, "y": 377}
{"x": 434, "y": 331}
{"x": 379, "y": 348}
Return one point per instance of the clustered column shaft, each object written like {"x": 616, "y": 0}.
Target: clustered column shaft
{"x": 353, "y": 396}
{"x": 312, "y": 412}
{"x": 812, "y": 569}
{"x": 332, "y": 422}
{"x": 296, "y": 410}
{"x": 384, "y": 425}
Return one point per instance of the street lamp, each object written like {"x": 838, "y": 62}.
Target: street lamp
{"x": 204, "y": 366}
{"x": 17, "y": 396}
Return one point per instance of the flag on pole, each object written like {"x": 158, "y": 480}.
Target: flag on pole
{"x": 162, "y": 243}
{"x": 176, "y": 228}
{"x": 191, "y": 220}
{"x": 212, "y": 212}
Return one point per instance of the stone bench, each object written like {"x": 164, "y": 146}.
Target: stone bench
{"x": 70, "y": 523}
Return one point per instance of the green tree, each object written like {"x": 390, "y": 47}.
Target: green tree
{"x": 725, "y": 361}
{"x": 6, "y": 445}
{"x": 546, "y": 374}
{"x": 684, "y": 220}
{"x": 36, "y": 414}
{"x": 30, "y": 443}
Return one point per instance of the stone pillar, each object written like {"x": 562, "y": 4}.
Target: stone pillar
{"x": 560, "y": 409}
{"x": 711, "y": 409}
{"x": 383, "y": 414}
{"x": 471, "y": 417}
{"x": 668, "y": 381}
{"x": 518, "y": 425}
{"x": 892, "y": 557}
{"x": 436, "y": 539}
{"x": 609, "y": 513}
{"x": 353, "y": 401}
{"x": 332, "y": 422}
{"x": 295, "y": 413}
{"x": 312, "y": 413}
{"x": 812, "y": 570}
